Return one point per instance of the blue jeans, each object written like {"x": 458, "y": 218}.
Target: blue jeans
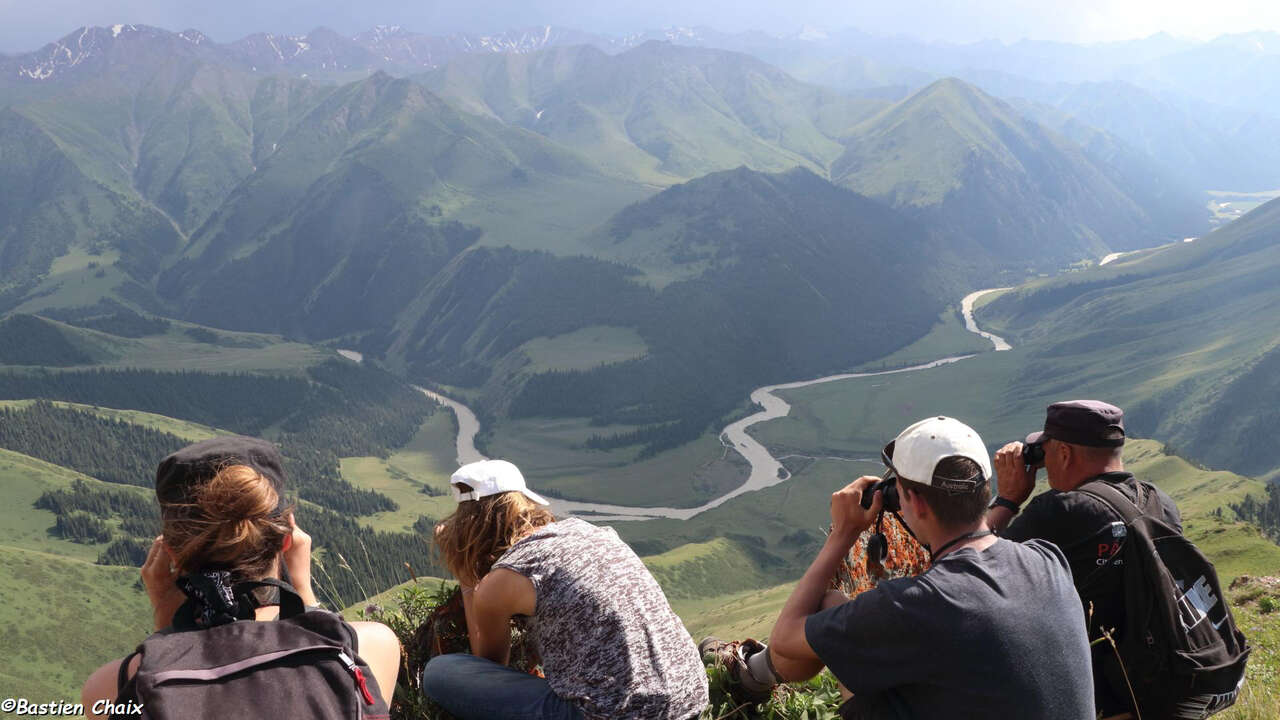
{"x": 471, "y": 687}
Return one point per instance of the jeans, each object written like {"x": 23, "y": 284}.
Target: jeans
{"x": 471, "y": 687}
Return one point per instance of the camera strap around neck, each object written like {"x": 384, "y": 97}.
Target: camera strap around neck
{"x": 933, "y": 554}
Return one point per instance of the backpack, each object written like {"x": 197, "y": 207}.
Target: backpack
{"x": 1180, "y": 647}
{"x": 304, "y": 664}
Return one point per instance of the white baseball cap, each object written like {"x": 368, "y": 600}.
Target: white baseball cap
{"x": 916, "y": 452}
{"x": 490, "y": 477}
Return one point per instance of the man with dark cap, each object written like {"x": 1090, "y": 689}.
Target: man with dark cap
{"x": 1082, "y": 442}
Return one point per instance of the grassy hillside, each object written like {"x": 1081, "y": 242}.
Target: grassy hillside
{"x": 193, "y": 432}
{"x": 54, "y": 662}
{"x": 49, "y": 584}
{"x": 415, "y": 476}
{"x": 50, "y": 207}
{"x": 361, "y": 201}
{"x": 1184, "y": 337}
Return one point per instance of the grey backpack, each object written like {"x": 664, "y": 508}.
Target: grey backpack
{"x": 305, "y": 664}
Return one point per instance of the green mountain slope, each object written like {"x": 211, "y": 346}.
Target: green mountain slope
{"x": 346, "y": 222}
{"x": 49, "y": 208}
{"x": 162, "y": 115}
{"x": 338, "y": 230}
{"x": 971, "y": 166}
{"x": 35, "y": 341}
{"x": 732, "y": 281}
{"x": 1186, "y": 334}
{"x": 660, "y": 112}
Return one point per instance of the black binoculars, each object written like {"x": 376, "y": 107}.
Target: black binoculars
{"x": 1033, "y": 455}
{"x": 889, "y": 485}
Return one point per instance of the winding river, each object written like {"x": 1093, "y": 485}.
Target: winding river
{"x": 766, "y": 471}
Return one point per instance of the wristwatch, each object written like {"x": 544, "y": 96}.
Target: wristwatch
{"x": 1006, "y": 503}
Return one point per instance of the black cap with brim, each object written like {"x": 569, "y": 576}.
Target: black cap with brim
{"x": 196, "y": 464}
{"x": 1082, "y": 422}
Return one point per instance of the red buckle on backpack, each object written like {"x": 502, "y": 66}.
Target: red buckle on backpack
{"x": 358, "y": 674}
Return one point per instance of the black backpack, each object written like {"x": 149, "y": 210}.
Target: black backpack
{"x": 1181, "y": 650}
{"x": 303, "y": 665}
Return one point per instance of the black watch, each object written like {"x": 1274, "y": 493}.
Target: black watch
{"x": 1010, "y": 505}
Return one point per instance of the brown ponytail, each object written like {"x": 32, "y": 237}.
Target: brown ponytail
{"x": 234, "y": 522}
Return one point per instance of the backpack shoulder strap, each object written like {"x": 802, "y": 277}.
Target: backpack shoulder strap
{"x": 122, "y": 675}
{"x": 1112, "y": 498}
{"x": 291, "y": 604}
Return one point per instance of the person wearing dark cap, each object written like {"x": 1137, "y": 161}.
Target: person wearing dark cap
{"x": 1082, "y": 441}
{"x": 228, "y": 532}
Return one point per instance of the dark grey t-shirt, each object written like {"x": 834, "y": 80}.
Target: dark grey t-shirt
{"x": 996, "y": 633}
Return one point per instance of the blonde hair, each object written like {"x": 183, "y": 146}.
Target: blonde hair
{"x": 234, "y": 521}
{"x": 472, "y": 539}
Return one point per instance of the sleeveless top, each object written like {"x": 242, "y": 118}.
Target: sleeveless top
{"x": 608, "y": 639}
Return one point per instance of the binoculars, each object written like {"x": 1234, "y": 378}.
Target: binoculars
{"x": 889, "y": 485}
{"x": 1033, "y": 455}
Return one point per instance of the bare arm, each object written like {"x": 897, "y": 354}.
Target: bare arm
{"x": 297, "y": 559}
{"x": 101, "y": 685}
{"x": 1013, "y": 482}
{"x": 789, "y": 649}
{"x": 501, "y": 595}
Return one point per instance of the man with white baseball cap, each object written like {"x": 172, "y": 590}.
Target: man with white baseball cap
{"x": 991, "y": 629}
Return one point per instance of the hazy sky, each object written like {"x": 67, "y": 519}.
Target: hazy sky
{"x": 28, "y": 24}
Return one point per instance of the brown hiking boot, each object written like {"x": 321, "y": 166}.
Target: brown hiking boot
{"x": 743, "y": 688}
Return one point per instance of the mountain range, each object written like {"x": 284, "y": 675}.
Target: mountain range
{"x": 700, "y": 199}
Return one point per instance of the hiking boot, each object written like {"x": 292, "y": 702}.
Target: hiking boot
{"x": 743, "y": 688}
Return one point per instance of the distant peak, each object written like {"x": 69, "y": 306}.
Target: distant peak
{"x": 810, "y": 33}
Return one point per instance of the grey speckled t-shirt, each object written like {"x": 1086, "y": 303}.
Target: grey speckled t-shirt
{"x": 609, "y": 640}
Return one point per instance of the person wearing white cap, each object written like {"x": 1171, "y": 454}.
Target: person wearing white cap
{"x": 611, "y": 647}
{"x": 991, "y": 630}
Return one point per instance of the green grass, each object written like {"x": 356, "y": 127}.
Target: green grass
{"x": 699, "y": 570}
{"x": 258, "y": 352}
{"x": 61, "y": 618}
{"x": 22, "y": 526}
{"x": 175, "y": 351}
{"x": 748, "y": 613}
{"x": 856, "y": 417}
{"x": 551, "y": 455}
{"x": 948, "y": 337}
{"x": 60, "y": 615}
{"x": 388, "y": 597}
{"x": 1260, "y": 699}
{"x": 72, "y": 283}
{"x": 427, "y": 460}
{"x": 584, "y": 349}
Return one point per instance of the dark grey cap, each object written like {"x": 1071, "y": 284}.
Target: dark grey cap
{"x": 196, "y": 464}
{"x": 1082, "y": 422}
